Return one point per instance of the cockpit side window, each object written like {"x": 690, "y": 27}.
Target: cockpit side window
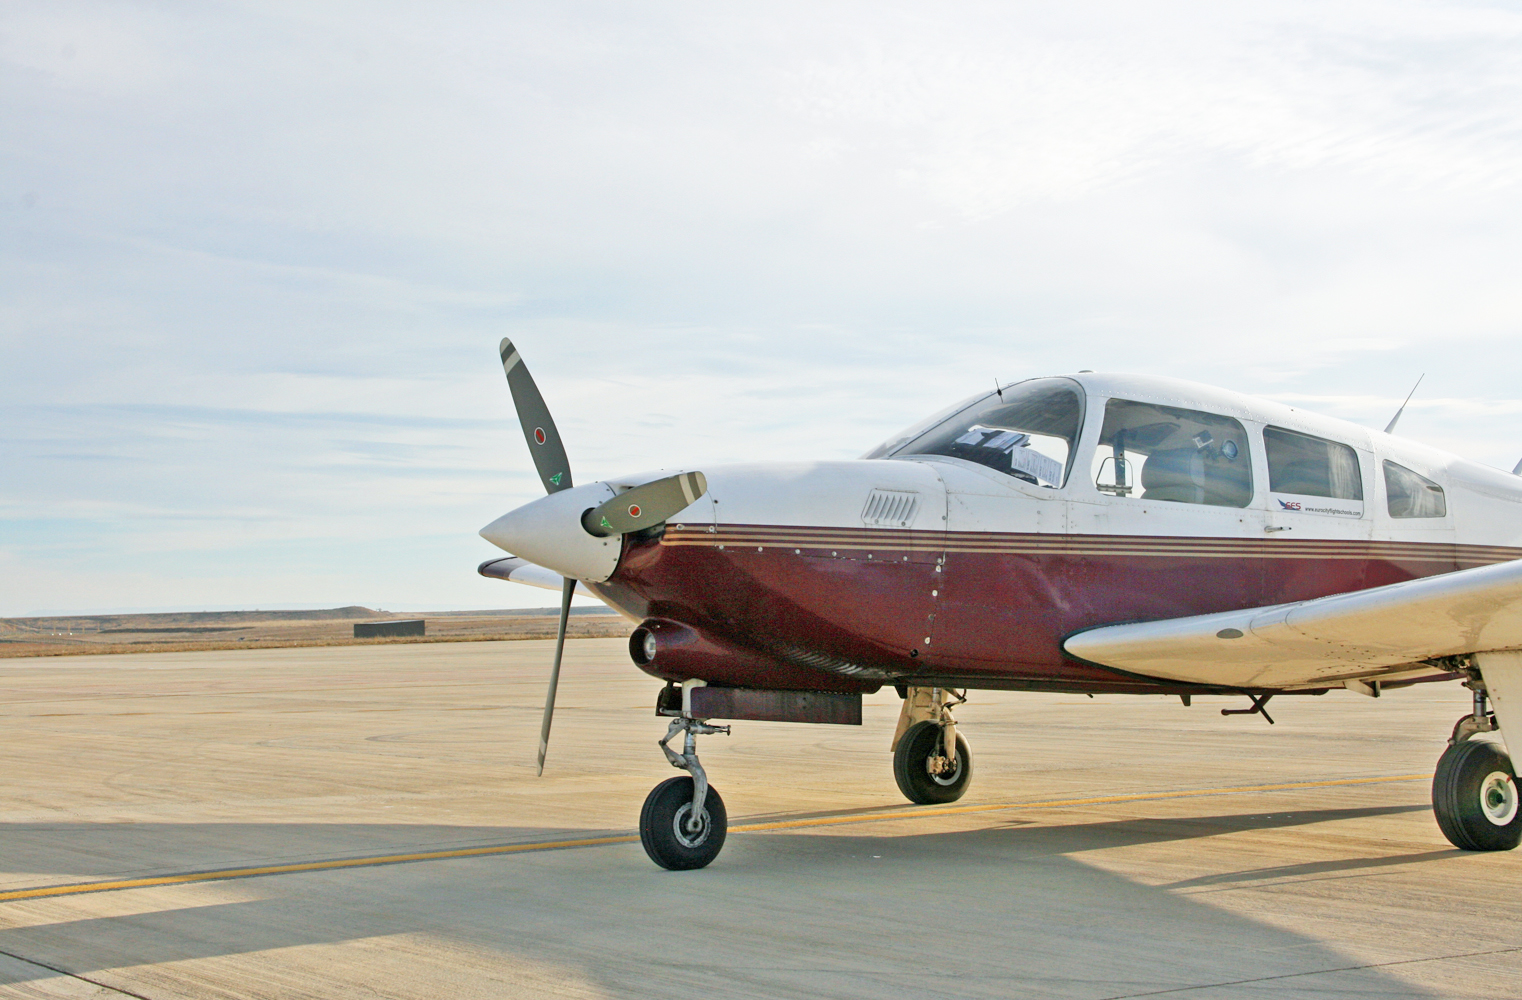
{"x": 1152, "y": 452}
{"x": 1311, "y": 466}
{"x": 1410, "y": 494}
{"x": 1026, "y": 431}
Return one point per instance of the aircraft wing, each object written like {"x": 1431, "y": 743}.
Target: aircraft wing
{"x": 516, "y": 570}
{"x": 1323, "y": 641}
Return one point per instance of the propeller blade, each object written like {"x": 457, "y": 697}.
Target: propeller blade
{"x": 549, "y": 700}
{"x": 644, "y": 506}
{"x": 538, "y": 426}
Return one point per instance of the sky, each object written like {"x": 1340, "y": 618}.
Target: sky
{"x": 255, "y": 258}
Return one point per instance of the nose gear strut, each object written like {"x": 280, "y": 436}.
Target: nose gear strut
{"x": 687, "y": 761}
{"x": 683, "y": 822}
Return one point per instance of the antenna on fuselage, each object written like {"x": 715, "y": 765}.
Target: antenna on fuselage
{"x": 1390, "y": 427}
{"x": 1518, "y": 470}
{"x": 998, "y": 389}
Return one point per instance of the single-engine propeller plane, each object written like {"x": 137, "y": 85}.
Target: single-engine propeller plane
{"x": 1080, "y": 533}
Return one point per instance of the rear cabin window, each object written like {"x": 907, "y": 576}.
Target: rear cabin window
{"x": 1410, "y": 494}
{"x": 1311, "y": 466}
{"x": 1026, "y": 431}
{"x": 1152, "y": 452}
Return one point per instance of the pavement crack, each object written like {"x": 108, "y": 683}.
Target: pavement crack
{"x": 74, "y": 975}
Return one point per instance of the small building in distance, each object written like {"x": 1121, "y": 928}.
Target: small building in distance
{"x": 374, "y": 630}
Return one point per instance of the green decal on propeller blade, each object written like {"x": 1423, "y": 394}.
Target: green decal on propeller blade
{"x": 556, "y": 478}
{"x": 605, "y": 524}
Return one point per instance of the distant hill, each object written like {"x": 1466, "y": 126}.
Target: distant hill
{"x": 157, "y": 622}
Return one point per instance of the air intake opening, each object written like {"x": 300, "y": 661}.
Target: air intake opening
{"x": 642, "y": 646}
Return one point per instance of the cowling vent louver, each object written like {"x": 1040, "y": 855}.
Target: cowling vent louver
{"x": 890, "y": 509}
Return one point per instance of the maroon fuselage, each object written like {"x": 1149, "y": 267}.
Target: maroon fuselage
{"x": 851, "y": 609}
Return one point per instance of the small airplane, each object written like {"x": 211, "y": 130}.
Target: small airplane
{"x": 1093, "y": 533}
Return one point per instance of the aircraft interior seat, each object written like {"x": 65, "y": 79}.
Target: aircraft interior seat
{"x": 1188, "y": 475}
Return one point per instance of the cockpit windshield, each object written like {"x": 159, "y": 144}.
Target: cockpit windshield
{"x": 1026, "y": 431}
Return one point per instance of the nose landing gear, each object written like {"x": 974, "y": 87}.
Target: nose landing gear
{"x": 1474, "y": 792}
{"x": 683, "y": 822}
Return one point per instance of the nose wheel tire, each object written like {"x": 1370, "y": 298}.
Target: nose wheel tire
{"x": 1475, "y": 797}
{"x": 669, "y": 833}
{"x": 916, "y": 758}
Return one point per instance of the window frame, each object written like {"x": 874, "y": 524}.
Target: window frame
{"x": 1385, "y": 465}
{"x": 1358, "y": 465}
{"x": 1247, "y": 427}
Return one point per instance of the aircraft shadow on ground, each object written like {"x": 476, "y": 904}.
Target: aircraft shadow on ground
{"x": 817, "y": 912}
{"x": 1025, "y": 836}
{"x": 95, "y": 851}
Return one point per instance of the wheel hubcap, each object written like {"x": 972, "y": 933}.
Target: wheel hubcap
{"x": 684, "y": 836}
{"x": 1498, "y": 797}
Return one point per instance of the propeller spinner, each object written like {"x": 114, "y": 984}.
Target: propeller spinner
{"x": 547, "y": 528}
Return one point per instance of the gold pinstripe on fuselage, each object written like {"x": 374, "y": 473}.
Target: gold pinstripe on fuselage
{"x": 1002, "y": 543}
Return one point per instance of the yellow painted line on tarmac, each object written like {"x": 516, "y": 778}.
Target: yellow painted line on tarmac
{"x": 307, "y": 866}
{"x": 219, "y": 874}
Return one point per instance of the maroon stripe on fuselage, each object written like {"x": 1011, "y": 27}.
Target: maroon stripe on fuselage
{"x": 855, "y": 605}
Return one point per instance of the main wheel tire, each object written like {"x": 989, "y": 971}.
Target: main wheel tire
{"x": 911, "y": 766}
{"x": 1474, "y": 797}
{"x": 663, "y": 826}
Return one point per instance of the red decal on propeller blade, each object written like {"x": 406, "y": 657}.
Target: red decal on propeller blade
{"x": 539, "y": 434}
{"x": 634, "y": 510}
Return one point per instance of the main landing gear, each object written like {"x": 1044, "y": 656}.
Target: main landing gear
{"x": 931, "y": 762}
{"x": 1474, "y": 792}
{"x": 683, "y": 823}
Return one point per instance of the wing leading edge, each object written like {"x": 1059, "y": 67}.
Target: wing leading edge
{"x": 516, "y": 570}
{"x": 1322, "y": 641}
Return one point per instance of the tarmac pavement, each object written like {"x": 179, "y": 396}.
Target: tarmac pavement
{"x": 1109, "y": 847}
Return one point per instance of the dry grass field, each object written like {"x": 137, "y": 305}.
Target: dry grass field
{"x": 211, "y": 630}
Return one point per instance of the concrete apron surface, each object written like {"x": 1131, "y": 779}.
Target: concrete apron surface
{"x": 1111, "y": 847}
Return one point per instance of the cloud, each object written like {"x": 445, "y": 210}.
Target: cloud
{"x": 256, "y": 259}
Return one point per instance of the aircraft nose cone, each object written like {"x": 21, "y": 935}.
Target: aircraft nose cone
{"x": 548, "y": 533}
